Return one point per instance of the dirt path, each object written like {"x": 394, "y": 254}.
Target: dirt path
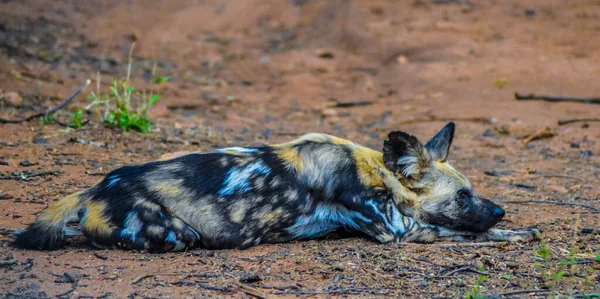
{"x": 255, "y": 71}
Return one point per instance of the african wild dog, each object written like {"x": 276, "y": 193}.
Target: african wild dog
{"x": 238, "y": 197}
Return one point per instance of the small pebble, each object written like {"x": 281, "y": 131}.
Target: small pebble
{"x": 530, "y": 12}
{"x": 13, "y": 98}
{"x": 587, "y": 153}
{"x": 339, "y": 267}
{"x": 491, "y": 172}
{"x": 267, "y": 133}
{"x": 575, "y": 144}
{"x": 209, "y": 96}
{"x": 26, "y": 163}
{"x": 489, "y": 133}
{"x": 40, "y": 140}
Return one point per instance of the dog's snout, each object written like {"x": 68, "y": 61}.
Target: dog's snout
{"x": 499, "y": 212}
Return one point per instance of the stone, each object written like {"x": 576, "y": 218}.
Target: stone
{"x": 12, "y": 98}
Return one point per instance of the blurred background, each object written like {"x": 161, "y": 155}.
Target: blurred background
{"x": 247, "y": 72}
{"x": 239, "y": 64}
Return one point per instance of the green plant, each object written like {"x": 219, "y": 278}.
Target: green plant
{"x": 77, "y": 119}
{"x": 47, "y": 119}
{"x": 552, "y": 272}
{"x": 475, "y": 291}
{"x": 125, "y": 108}
{"x": 501, "y": 82}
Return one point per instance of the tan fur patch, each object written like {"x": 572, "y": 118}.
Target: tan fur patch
{"x": 61, "y": 209}
{"x": 170, "y": 188}
{"x": 267, "y": 216}
{"x": 447, "y": 169}
{"x": 238, "y": 211}
{"x": 169, "y": 156}
{"x": 402, "y": 194}
{"x": 96, "y": 223}
{"x": 315, "y": 137}
{"x": 368, "y": 163}
{"x": 291, "y": 156}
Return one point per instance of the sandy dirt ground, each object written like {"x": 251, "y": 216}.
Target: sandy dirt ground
{"x": 258, "y": 71}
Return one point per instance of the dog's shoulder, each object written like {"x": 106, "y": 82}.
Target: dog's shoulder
{"x": 316, "y": 138}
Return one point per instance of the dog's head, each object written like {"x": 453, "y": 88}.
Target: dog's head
{"x": 444, "y": 196}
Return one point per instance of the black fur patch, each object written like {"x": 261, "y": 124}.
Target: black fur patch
{"x": 40, "y": 237}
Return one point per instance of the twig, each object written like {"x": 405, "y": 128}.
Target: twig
{"x": 562, "y": 177}
{"x": 590, "y": 295}
{"x": 213, "y": 288}
{"x": 101, "y": 256}
{"x": 52, "y": 110}
{"x": 531, "y": 96}
{"x": 558, "y": 203}
{"x": 587, "y": 231}
{"x": 10, "y": 261}
{"x": 66, "y": 125}
{"x": 576, "y": 120}
{"x": 542, "y": 134}
{"x": 335, "y": 291}
{"x": 280, "y": 288}
{"x": 449, "y": 274}
{"x": 141, "y": 277}
{"x": 479, "y": 244}
{"x": 251, "y": 291}
{"x": 144, "y": 276}
{"x": 26, "y": 175}
{"x": 516, "y": 292}
{"x": 350, "y": 104}
{"x": 73, "y": 285}
{"x": 434, "y": 118}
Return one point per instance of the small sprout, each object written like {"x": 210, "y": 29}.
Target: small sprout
{"x": 47, "y": 119}
{"x": 543, "y": 251}
{"x": 159, "y": 80}
{"x": 125, "y": 107}
{"x": 501, "y": 82}
{"x": 77, "y": 119}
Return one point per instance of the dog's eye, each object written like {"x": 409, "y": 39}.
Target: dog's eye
{"x": 463, "y": 194}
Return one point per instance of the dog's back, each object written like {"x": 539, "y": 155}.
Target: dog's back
{"x": 228, "y": 198}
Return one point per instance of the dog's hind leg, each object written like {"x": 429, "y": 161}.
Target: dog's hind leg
{"x": 143, "y": 225}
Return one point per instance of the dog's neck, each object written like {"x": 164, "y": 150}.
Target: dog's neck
{"x": 404, "y": 199}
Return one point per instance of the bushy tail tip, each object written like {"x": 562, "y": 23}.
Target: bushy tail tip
{"x": 41, "y": 237}
{"x": 49, "y": 231}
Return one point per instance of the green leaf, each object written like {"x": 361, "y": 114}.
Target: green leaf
{"x": 153, "y": 99}
{"x": 598, "y": 257}
{"x": 77, "y": 119}
{"x": 559, "y": 275}
{"x": 159, "y": 80}
{"x": 507, "y": 276}
{"x": 48, "y": 119}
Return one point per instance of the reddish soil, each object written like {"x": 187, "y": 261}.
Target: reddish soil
{"x": 420, "y": 63}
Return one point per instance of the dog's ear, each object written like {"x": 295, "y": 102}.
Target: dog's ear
{"x": 438, "y": 147}
{"x": 405, "y": 155}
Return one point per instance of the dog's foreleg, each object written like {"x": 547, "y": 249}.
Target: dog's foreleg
{"x": 429, "y": 234}
{"x": 501, "y": 235}
{"x": 509, "y": 235}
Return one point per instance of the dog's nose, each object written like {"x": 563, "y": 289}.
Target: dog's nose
{"x": 499, "y": 212}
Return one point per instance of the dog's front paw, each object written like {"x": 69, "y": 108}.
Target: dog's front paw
{"x": 516, "y": 235}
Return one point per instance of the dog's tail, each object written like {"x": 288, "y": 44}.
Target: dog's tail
{"x": 49, "y": 231}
